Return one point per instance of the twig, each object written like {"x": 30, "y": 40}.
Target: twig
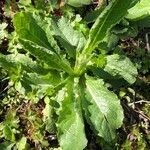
{"x": 145, "y": 116}
{"x": 137, "y": 102}
{"x": 147, "y": 42}
{"x": 7, "y": 87}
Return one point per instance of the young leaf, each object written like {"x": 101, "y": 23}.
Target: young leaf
{"x": 70, "y": 125}
{"x": 122, "y": 66}
{"x": 103, "y": 107}
{"x": 69, "y": 38}
{"x": 111, "y": 15}
{"x": 74, "y": 37}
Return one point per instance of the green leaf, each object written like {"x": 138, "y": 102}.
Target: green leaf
{"x": 6, "y": 146}
{"x": 52, "y": 40}
{"x": 11, "y": 120}
{"x": 53, "y": 78}
{"x": 7, "y": 64}
{"x": 8, "y": 133}
{"x": 103, "y": 109}
{"x": 21, "y": 145}
{"x": 74, "y": 37}
{"x": 46, "y": 24}
{"x": 33, "y": 38}
{"x": 69, "y": 38}
{"x": 140, "y": 11}
{"x": 93, "y": 15}
{"x": 144, "y": 23}
{"x": 27, "y": 28}
{"x": 111, "y": 15}
{"x": 13, "y": 63}
{"x": 36, "y": 86}
{"x": 70, "y": 125}
{"x": 122, "y": 66}
{"x": 78, "y": 3}
{"x": 27, "y": 63}
{"x": 44, "y": 55}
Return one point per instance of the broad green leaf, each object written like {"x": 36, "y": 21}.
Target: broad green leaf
{"x": 27, "y": 28}
{"x": 33, "y": 38}
{"x": 103, "y": 109}
{"x": 110, "y": 16}
{"x": 69, "y": 38}
{"x": 114, "y": 82}
{"x": 70, "y": 124}
{"x": 74, "y": 37}
{"x": 121, "y": 66}
{"x": 139, "y": 11}
{"x": 61, "y": 37}
{"x": 44, "y": 55}
{"x": 78, "y": 3}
